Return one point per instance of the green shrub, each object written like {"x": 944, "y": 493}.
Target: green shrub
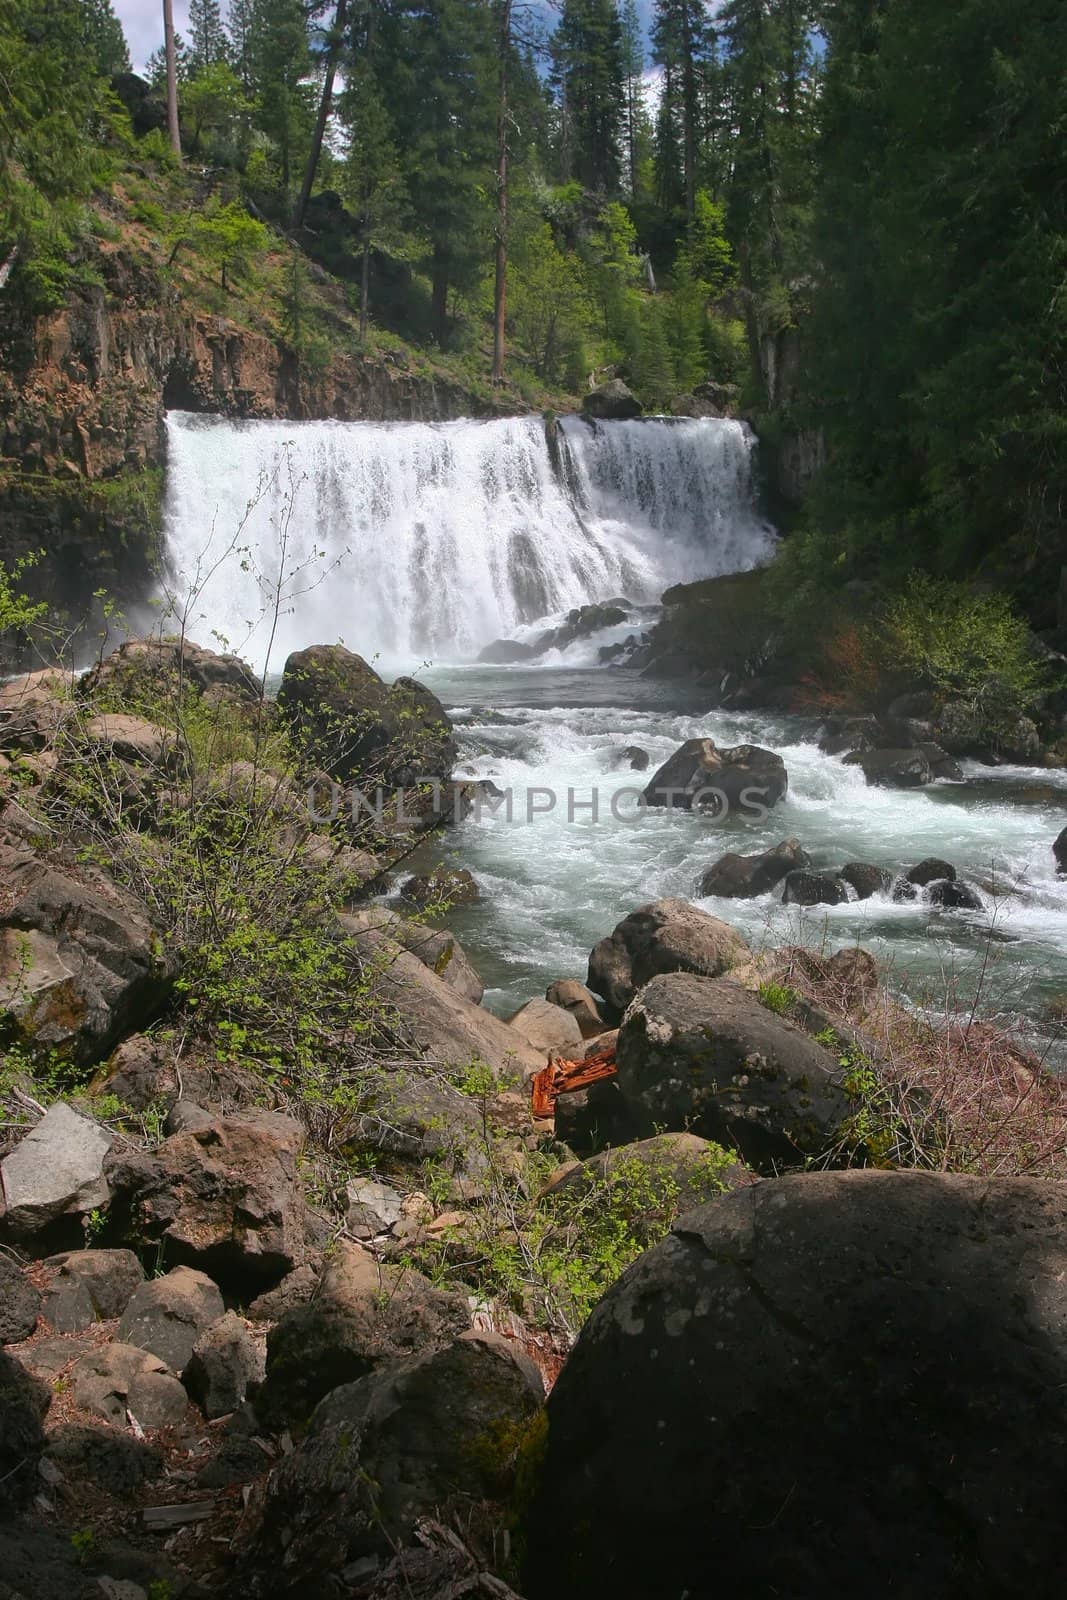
{"x": 963, "y": 644}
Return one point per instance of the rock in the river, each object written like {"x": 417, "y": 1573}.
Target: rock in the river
{"x": 814, "y": 889}
{"x": 166, "y": 1316}
{"x": 664, "y": 936}
{"x": 942, "y": 765}
{"x": 79, "y": 966}
{"x": 865, "y": 879}
{"x": 1059, "y": 850}
{"x": 635, "y": 758}
{"x": 425, "y": 1437}
{"x": 612, "y": 401}
{"x": 351, "y": 725}
{"x": 843, "y": 735}
{"x": 966, "y": 730}
{"x": 703, "y": 1055}
{"x": 87, "y": 1286}
{"x": 504, "y": 651}
{"x": 20, "y": 1304}
{"x": 363, "y": 1316}
{"x": 744, "y": 780}
{"x": 930, "y": 870}
{"x": 735, "y": 877}
{"x": 751, "y": 1351}
{"x": 954, "y": 895}
{"x": 548, "y": 1027}
{"x": 57, "y": 1169}
{"x": 577, "y": 999}
{"x": 451, "y": 885}
{"x": 224, "y": 1197}
{"x": 225, "y": 1363}
{"x": 118, "y": 1379}
{"x": 892, "y": 769}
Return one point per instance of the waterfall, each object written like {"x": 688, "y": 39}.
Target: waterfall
{"x": 413, "y": 541}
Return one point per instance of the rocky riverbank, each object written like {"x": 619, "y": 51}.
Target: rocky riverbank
{"x": 288, "y": 1264}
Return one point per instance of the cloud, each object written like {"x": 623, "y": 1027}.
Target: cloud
{"x": 142, "y": 21}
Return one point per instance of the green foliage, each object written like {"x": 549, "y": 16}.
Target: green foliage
{"x": 549, "y": 304}
{"x": 777, "y": 997}
{"x": 215, "y": 106}
{"x": 17, "y": 613}
{"x": 965, "y": 644}
{"x": 226, "y": 236}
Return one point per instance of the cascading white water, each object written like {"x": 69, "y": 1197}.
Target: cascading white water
{"x": 409, "y": 540}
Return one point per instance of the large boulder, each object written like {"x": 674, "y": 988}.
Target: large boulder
{"x": 223, "y": 1197}
{"x": 34, "y": 708}
{"x": 548, "y": 1027}
{"x": 866, "y": 880}
{"x": 745, "y": 780}
{"x": 804, "y": 888}
{"x": 80, "y": 964}
{"x": 703, "y": 1055}
{"x": 830, "y": 1383}
{"x": 24, "y": 1400}
{"x": 225, "y": 1363}
{"x": 658, "y": 1177}
{"x": 431, "y": 1436}
{"x": 963, "y": 729}
{"x": 57, "y": 1170}
{"x": 436, "y": 948}
{"x": 353, "y": 726}
{"x": 577, "y": 999}
{"x": 736, "y": 877}
{"x": 663, "y": 936}
{"x": 20, "y": 1303}
{"x": 118, "y": 1381}
{"x": 88, "y": 1286}
{"x": 363, "y": 1316}
{"x": 892, "y": 769}
{"x": 146, "y": 671}
{"x": 166, "y": 1316}
{"x": 611, "y": 401}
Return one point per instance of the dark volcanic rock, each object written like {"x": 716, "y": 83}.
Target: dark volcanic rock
{"x": 814, "y": 889}
{"x": 735, "y": 877}
{"x": 866, "y": 880}
{"x": 87, "y": 1286}
{"x": 20, "y": 1303}
{"x": 953, "y": 895}
{"x": 665, "y": 936}
{"x": 892, "y": 769}
{"x": 166, "y": 1316}
{"x": 23, "y": 1402}
{"x": 612, "y": 401}
{"x": 802, "y": 1309}
{"x": 930, "y": 870}
{"x": 703, "y": 1055}
{"x": 1059, "y": 850}
{"x": 742, "y": 780}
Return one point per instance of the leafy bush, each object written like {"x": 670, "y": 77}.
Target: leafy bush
{"x": 963, "y": 644}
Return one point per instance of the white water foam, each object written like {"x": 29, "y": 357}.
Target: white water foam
{"x": 413, "y": 541}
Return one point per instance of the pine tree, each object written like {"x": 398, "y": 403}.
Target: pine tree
{"x": 371, "y": 184}
{"x": 208, "y": 43}
{"x": 281, "y": 63}
{"x": 682, "y": 41}
{"x": 588, "y": 72}
{"x": 632, "y": 52}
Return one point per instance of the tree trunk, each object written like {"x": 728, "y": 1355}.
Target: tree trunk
{"x": 172, "y": 78}
{"x": 500, "y": 290}
{"x": 439, "y": 294}
{"x": 334, "y": 50}
{"x": 364, "y": 290}
{"x": 8, "y": 266}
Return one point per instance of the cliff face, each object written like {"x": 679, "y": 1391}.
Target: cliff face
{"x": 83, "y": 393}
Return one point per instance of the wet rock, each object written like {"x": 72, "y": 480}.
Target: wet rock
{"x": 805, "y": 1307}
{"x": 943, "y": 766}
{"x": 79, "y": 965}
{"x": 849, "y": 735}
{"x": 953, "y": 895}
{"x": 736, "y": 877}
{"x": 20, "y": 1303}
{"x": 635, "y": 758}
{"x": 166, "y": 1316}
{"x": 116, "y": 1379}
{"x": 744, "y": 780}
{"x": 351, "y": 725}
{"x": 1059, "y": 851}
{"x": 611, "y": 401}
{"x": 225, "y": 1364}
{"x": 866, "y": 880}
{"x": 577, "y": 999}
{"x": 24, "y": 1400}
{"x": 57, "y": 1170}
{"x": 421, "y": 1438}
{"x": 445, "y": 885}
{"x": 663, "y": 936}
{"x": 702, "y": 1055}
{"x": 548, "y": 1027}
{"x": 892, "y": 769}
{"x": 224, "y": 1197}
{"x": 930, "y": 870}
{"x": 503, "y": 652}
{"x": 363, "y": 1316}
{"x": 814, "y": 889}
{"x": 87, "y": 1286}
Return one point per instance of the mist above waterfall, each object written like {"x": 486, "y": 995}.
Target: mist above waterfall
{"x": 425, "y": 541}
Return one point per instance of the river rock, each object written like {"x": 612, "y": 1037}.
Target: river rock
{"x": 424, "y": 1438}
{"x": 89, "y": 1286}
{"x": 849, "y": 735}
{"x": 612, "y": 401}
{"x": 436, "y": 948}
{"x": 943, "y": 766}
{"x": 354, "y": 727}
{"x": 548, "y": 1027}
{"x": 503, "y": 652}
{"x": 703, "y": 1055}
{"x": 451, "y": 885}
{"x": 735, "y": 877}
{"x": 814, "y": 889}
{"x": 226, "y": 1362}
{"x": 167, "y": 1315}
{"x": 118, "y": 1379}
{"x": 20, "y": 1303}
{"x": 742, "y": 780}
{"x": 892, "y": 769}
{"x": 145, "y": 671}
{"x": 79, "y": 965}
{"x": 803, "y": 1308}
{"x": 57, "y": 1169}
{"x": 224, "y": 1198}
{"x": 663, "y": 936}
{"x": 930, "y": 870}
{"x": 1059, "y": 851}
{"x": 866, "y": 880}
{"x": 580, "y": 1002}
{"x": 363, "y": 1316}
{"x": 635, "y": 758}
{"x": 953, "y": 895}
{"x": 965, "y": 730}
